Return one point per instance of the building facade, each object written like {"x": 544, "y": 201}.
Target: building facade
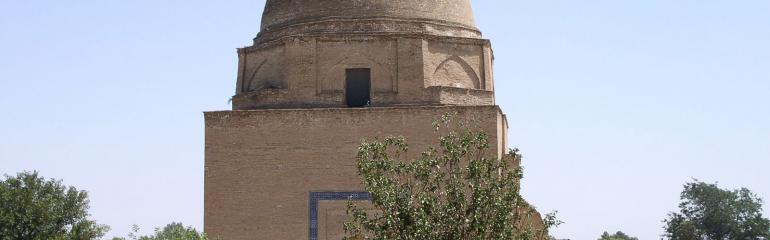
{"x": 320, "y": 77}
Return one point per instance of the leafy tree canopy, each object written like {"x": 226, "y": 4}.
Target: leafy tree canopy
{"x": 172, "y": 231}
{"x": 452, "y": 191}
{"x": 708, "y": 212}
{"x": 617, "y": 236}
{"x": 37, "y": 209}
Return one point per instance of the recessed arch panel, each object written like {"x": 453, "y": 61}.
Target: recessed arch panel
{"x": 456, "y": 72}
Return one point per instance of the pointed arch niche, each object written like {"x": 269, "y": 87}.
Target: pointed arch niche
{"x": 456, "y": 72}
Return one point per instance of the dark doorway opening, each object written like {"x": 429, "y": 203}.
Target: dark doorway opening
{"x": 358, "y": 87}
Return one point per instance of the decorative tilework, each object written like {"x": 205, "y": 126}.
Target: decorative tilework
{"x": 315, "y": 197}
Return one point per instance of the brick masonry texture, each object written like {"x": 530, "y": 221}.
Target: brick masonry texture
{"x": 309, "y": 71}
{"x": 261, "y": 165}
{"x": 291, "y": 134}
{"x": 437, "y": 17}
{"x": 425, "y": 52}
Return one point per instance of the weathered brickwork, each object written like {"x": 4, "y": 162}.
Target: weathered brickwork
{"x": 419, "y": 52}
{"x": 430, "y": 17}
{"x": 309, "y": 71}
{"x": 261, "y": 165}
{"x": 275, "y": 164}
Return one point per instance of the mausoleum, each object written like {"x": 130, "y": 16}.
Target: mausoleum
{"x": 320, "y": 77}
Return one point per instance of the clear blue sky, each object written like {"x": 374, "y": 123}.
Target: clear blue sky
{"x": 615, "y": 104}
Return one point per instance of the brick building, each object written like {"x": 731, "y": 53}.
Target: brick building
{"x": 321, "y": 76}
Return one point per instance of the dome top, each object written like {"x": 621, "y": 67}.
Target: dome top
{"x": 437, "y": 17}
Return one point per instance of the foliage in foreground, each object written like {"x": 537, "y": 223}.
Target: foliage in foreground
{"x": 617, "y": 236}
{"x": 708, "y": 212}
{"x": 173, "y": 231}
{"x": 37, "y": 209}
{"x": 453, "y": 191}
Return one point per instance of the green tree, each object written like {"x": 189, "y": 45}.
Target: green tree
{"x": 453, "y": 191}
{"x": 617, "y": 236}
{"x": 172, "y": 231}
{"x": 37, "y": 209}
{"x": 708, "y": 212}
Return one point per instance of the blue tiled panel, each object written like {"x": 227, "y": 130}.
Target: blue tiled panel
{"x": 330, "y": 196}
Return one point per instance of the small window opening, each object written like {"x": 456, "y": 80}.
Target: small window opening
{"x": 358, "y": 87}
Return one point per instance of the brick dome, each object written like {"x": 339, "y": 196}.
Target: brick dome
{"x": 301, "y": 17}
{"x": 375, "y": 53}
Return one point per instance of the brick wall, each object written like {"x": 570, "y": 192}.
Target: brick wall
{"x": 261, "y": 165}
